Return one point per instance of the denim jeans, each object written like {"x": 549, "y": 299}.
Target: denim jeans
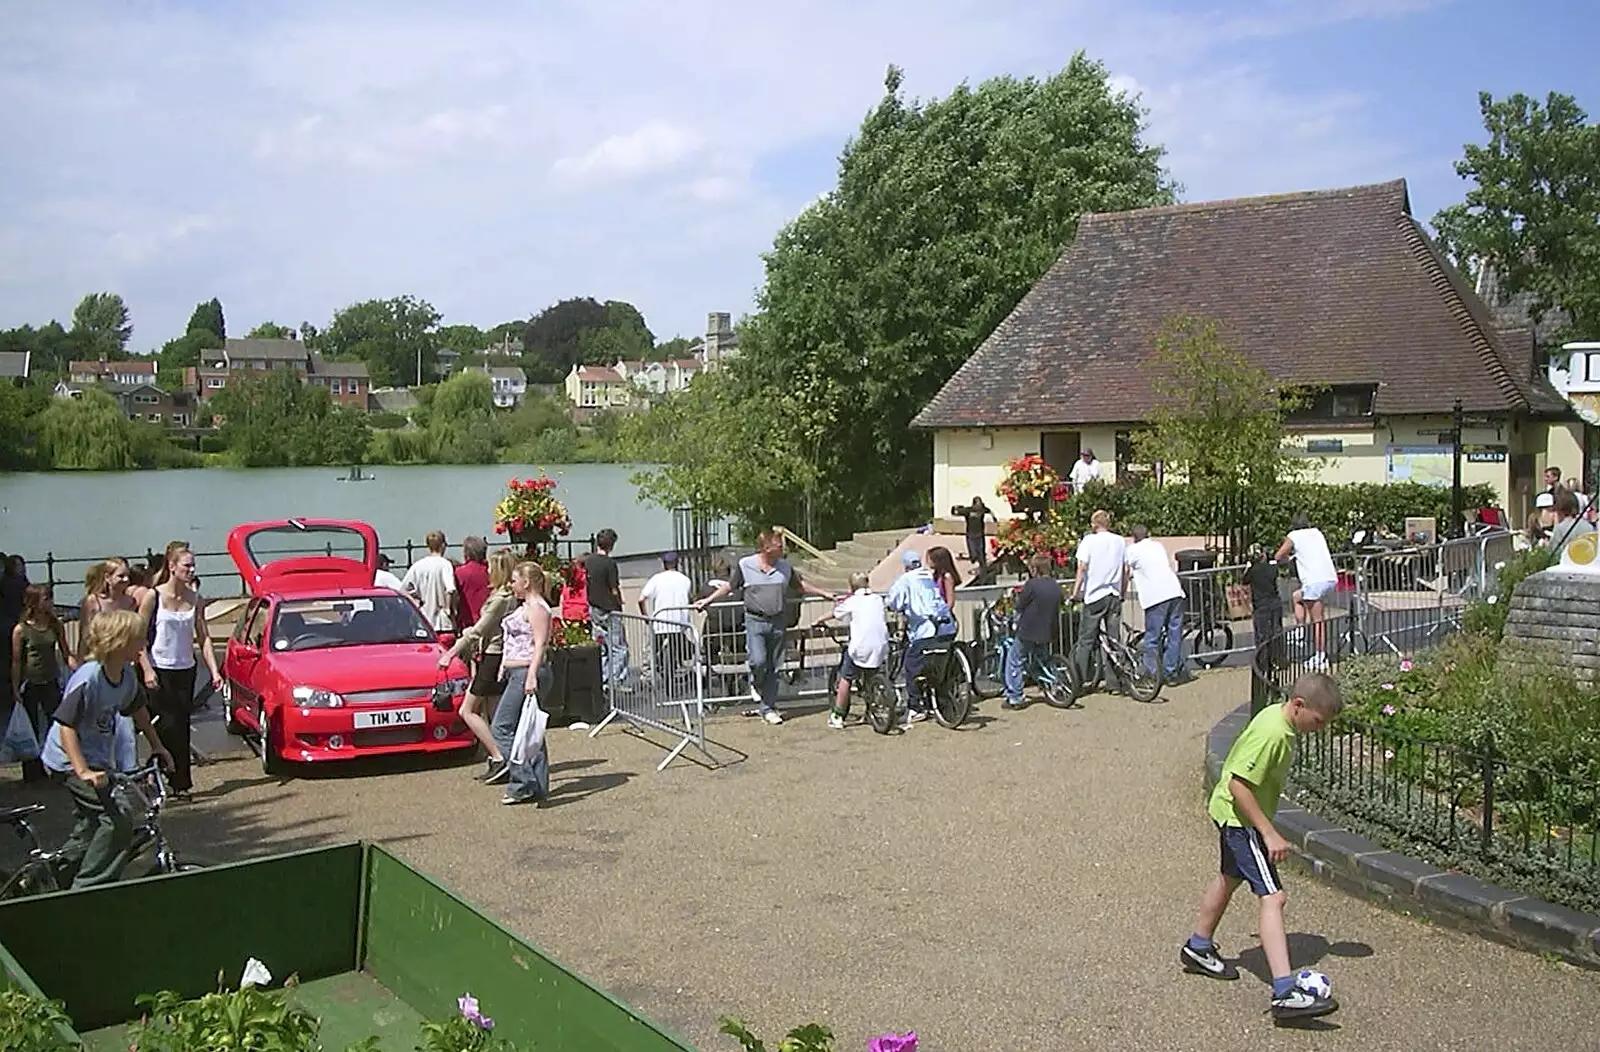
{"x": 1019, "y": 657}
{"x": 1108, "y": 610}
{"x": 916, "y": 661}
{"x": 1168, "y": 615}
{"x": 606, "y": 627}
{"x": 532, "y": 778}
{"x": 764, "y": 641}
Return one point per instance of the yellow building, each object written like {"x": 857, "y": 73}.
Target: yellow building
{"x": 1338, "y": 290}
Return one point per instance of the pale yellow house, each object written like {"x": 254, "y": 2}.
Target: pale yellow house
{"x": 1339, "y": 290}
{"x": 596, "y": 387}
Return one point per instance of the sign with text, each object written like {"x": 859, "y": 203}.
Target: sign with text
{"x": 1486, "y": 454}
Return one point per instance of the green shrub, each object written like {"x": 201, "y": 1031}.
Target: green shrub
{"x": 1487, "y": 616}
{"x": 31, "y": 1024}
{"x": 386, "y": 421}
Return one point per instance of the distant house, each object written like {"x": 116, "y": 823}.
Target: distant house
{"x": 205, "y": 382}
{"x": 591, "y": 388}
{"x": 132, "y": 371}
{"x": 1341, "y": 291}
{"x": 446, "y": 362}
{"x": 263, "y": 355}
{"x": 509, "y": 382}
{"x": 14, "y": 364}
{"x": 346, "y": 382}
{"x": 140, "y": 401}
{"x": 660, "y": 377}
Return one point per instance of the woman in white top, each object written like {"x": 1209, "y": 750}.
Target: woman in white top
{"x": 177, "y": 618}
{"x": 524, "y": 635}
{"x": 1313, "y": 565}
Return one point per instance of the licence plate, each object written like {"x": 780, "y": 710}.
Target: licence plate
{"x": 390, "y": 718}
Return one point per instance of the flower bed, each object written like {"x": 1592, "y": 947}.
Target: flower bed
{"x": 1442, "y": 757}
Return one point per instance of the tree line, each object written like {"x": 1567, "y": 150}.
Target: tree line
{"x": 946, "y": 212}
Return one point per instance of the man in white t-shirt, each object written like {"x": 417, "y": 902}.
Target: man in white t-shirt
{"x": 431, "y": 581}
{"x": 384, "y": 577}
{"x": 1099, "y": 585}
{"x": 1313, "y": 566}
{"x": 1085, "y": 471}
{"x": 1161, "y": 597}
{"x": 667, "y": 593}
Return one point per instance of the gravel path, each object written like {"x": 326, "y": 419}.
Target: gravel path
{"x": 1020, "y": 885}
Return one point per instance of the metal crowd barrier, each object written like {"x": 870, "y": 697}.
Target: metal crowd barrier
{"x": 659, "y": 683}
{"x": 1407, "y": 598}
{"x": 809, "y": 656}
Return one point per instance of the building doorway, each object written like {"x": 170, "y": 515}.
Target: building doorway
{"x": 1059, "y": 450}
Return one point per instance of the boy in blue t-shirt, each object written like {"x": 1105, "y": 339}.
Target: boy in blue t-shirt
{"x": 82, "y": 742}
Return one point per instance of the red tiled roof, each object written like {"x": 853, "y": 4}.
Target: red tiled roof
{"x": 1326, "y": 287}
{"x": 146, "y": 367}
{"x": 597, "y": 373}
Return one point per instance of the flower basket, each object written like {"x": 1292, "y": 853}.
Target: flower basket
{"x": 1018, "y": 540}
{"x": 1031, "y": 486}
{"x": 529, "y": 512}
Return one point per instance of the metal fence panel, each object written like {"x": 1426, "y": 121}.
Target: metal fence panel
{"x": 659, "y": 681}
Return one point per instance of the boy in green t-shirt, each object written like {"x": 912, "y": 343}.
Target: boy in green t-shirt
{"x": 1241, "y": 806}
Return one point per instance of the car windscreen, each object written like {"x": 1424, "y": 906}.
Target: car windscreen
{"x": 267, "y": 546}
{"x": 316, "y": 624}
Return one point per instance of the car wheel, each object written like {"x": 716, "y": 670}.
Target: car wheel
{"x": 271, "y": 762}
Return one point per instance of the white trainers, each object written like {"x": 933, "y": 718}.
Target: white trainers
{"x": 772, "y": 716}
{"x": 835, "y": 722}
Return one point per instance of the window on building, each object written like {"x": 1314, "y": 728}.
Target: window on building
{"x": 1594, "y": 367}
{"x": 259, "y": 364}
{"x": 147, "y": 399}
{"x": 1339, "y": 402}
{"x": 154, "y": 418}
{"x": 334, "y": 387}
{"x": 180, "y": 419}
{"x": 214, "y": 384}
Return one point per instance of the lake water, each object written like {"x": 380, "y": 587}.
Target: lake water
{"x": 81, "y": 516}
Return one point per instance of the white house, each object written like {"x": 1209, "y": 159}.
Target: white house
{"x": 509, "y": 382}
{"x": 1574, "y": 371}
{"x": 660, "y": 377}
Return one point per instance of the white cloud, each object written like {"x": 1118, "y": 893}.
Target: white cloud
{"x": 297, "y": 157}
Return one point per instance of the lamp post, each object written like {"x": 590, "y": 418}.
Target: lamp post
{"x": 1457, "y": 511}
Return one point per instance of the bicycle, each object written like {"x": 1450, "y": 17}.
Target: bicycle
{"x": 141, "y": 792}
{"x": 1126, "y": 660}
{"x": 1054, "y": 674}
{"x": 871, "y": 685}
{"x": 946, "y": 677}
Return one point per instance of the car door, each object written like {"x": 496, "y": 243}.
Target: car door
{"x": 242, "y": 666}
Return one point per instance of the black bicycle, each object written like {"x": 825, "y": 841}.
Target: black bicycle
{"x": 141, "y": 793}
{"x": 1125, "y": 659}
{"x": 946, "y": 677}
{"x": 871, "y": 685}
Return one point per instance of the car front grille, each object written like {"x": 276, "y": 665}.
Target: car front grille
{"x": 383, "y": 697}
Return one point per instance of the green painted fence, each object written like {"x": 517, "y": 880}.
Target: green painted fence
{"x": 314, "y": 914}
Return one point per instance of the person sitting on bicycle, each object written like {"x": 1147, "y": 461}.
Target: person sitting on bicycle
{"x": 863, "y": 611}
{"x": 1038, "y": 610}
{"x": 80, "y": 745}
{"x": 929, "y": 621}
{"x": 1099, "y": 585}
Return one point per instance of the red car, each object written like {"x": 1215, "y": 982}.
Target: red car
{"x": 325, "y": 666}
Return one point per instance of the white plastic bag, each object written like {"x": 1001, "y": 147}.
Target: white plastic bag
{"x": 530, "y": 730}
{"x": 21, "y": 742}
{"x": 125, "y": 750}
{"x": 255, "y": 974}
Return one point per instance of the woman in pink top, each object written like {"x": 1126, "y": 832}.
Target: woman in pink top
{"x": 524, "y": 635}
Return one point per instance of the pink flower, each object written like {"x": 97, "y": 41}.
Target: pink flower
{"x": 1389, "y": 710}
{"x": 1406, "y": 666}
{"x": 893, "y": 1043}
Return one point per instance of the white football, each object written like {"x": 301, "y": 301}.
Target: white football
{"x": 1314, "y": 983}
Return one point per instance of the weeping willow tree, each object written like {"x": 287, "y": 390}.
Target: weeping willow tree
{"x": 88, "y": 433}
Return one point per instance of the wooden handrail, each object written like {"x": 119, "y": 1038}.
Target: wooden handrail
{"x": 789, "y": 535}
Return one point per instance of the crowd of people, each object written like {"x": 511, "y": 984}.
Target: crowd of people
{"x": 1562, "y": 513}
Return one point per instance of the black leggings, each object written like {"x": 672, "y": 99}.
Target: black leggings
{"x": 171, "y": 705}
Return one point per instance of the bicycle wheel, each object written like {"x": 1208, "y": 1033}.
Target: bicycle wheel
{"x": 1140, "y": 683}
{"x": 878, "y": 700}
{"x": 34, "y": 878}
{"x": 1211, "y": 644}
{"x": 952, "y": 699}
{"x": 989, "y": 678}
{"x": 1059, "y": 680}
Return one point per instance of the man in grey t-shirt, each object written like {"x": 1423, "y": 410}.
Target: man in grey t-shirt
{"x": 766, "y": 578}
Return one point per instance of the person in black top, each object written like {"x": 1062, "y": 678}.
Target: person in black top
{"x": 1038, "y": 612}
{"x": 975, "y": 514}
{"x": 1266, "y": 604}
{"x": 605, "y": 603}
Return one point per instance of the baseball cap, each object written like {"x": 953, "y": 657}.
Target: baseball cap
{"x": 669, "y": 558}
{"x": 1545, "y": 500}
{"x": 909, "y": 558}
{"x": 384, "y": 562}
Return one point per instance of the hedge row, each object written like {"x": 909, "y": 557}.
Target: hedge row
{"x": 1181, "y": 510}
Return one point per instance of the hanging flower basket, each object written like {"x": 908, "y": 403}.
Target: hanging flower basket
{"x": 529, "y": 512}
{"x": 1031, "y": 486}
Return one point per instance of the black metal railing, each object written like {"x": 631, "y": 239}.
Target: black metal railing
{"x": 1461, "y": 804}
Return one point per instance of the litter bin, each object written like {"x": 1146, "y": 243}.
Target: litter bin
{"x": 1202, "y": 592}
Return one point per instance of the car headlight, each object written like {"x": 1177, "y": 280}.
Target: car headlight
{"x": 317, "y": 698}
{"x": 455, "y": 686}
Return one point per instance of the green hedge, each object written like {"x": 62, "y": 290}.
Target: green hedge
{"x": 1182, "y": 510}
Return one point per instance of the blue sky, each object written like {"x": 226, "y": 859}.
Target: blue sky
{"x": 295, "y": 157}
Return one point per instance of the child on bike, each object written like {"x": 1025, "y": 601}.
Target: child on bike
{"x": 79, "y": 747}
{"x": 1241, "y": 806}
{"x": 863, "y": 611}
{"x": 1038, "y": 611}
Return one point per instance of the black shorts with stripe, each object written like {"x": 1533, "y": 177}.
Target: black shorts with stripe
{"x": 1244, "y": 857}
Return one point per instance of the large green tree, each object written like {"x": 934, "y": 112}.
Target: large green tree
{"x": 208, "y": 316}
{"x": 461, "y": 423}
{"x": 585, "y": 331}
{"x": 102, "y": 321}
{"x": 269, "y": 330}
{"x": 89, "y": 433}
{"x": 51, "y": 346}
{"x": 396, "y": 338}
{"x": 945, "y": 213}
{"x": 1533, "y": 212}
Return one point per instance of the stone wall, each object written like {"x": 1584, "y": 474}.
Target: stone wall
{"x": 1554, "y": 625}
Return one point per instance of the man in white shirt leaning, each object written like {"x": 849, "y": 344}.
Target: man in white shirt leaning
{"x": 667, "y": 593}
{"x": 1099, "y": 586}
{"x": 1085, "y": 471}
{"x": 1313, "y": 565}
{"x": 431, "y": 581}
{"x": 1161, "y": 598}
